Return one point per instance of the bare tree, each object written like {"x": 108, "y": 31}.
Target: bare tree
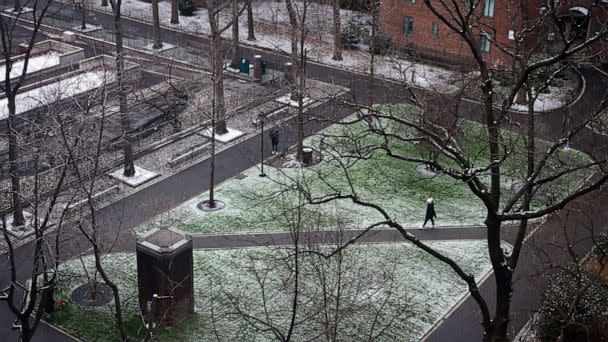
{"x": 174, "y": 12}
{"x": 320, "y": 295}
{"x": 499, "y": 141}
{"x": 11, "y": 87}
{"x": 83, "y": 8}
{"x": 129, "y": 167}
{"x": 156, "y": 26}
{"x": 23, "y": 298}
{"x": 84, "y": 156}
{"x": 236, "y": 52}
{"x": 298, "y": 34}
{"x": 217, "y": 61}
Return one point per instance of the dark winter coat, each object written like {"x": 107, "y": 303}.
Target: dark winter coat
{"x": 274, "y": 136}
{"x": 430, "y": 211}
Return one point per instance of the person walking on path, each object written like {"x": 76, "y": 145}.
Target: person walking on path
{"x": 430, "y": 212}
{"x": 274, "y": 139}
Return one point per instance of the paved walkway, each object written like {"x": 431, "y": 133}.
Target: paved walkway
{"x": 463, "y": 323}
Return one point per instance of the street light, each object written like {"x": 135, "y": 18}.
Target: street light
{"x": 262, "y": 118}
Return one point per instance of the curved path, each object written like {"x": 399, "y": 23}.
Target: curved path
{"x": 462, "y": 324}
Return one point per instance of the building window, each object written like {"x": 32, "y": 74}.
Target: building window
{"x": 410, "y": 1}
{"x": 408, "y": 26}
{"x": 434, "y": 30}
{"x": 484, "y": 43}
{"x": 488, "y": 8}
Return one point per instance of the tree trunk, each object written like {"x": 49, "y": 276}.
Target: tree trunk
{"x": 337, "y": 31}
{"x": 174, "y": 12}
{"x": 17, "y": 6}
{"x": 250, "y": 29}
{"x": 236, "y": 53}
{"x": 218, "y": 124}
{"x": 104, "y": 2}
{"x": 13, "y": 157}
{"x": 84, "y": 16}
{"x": 125, "y": 121}
{"x": 503, "y": 276}
{"x": 297, "y": 59}
{"x": 211, "y": 202}
{"x": 218, "y": 84}
{"x": 156, "y": 26}
{"x": 218, "y": 70}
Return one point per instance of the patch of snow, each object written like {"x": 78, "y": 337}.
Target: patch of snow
{"x": 290, "y": 161}
{"x": 286, "y": 99}
{"x": 140, "y": 177}
{"x": 36, "y": 63}
{"x": 23, "y": 10}
{"x": 545, "y": 102}
{"x": 226, "y": 137}
{"x": 64, "y": 88}
{"x": 163, "y": 48}
{"x": 88, "y": 28}
{"x": 20, "y": 231}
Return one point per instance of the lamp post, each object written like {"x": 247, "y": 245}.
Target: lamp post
{"x": 262, "y": 118}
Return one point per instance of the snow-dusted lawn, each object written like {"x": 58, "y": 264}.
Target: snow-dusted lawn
{"x": 56, "y": 91}
{"x": 44, "y": 61}
{"x": 395, "y": 291}
{"x": 265, "y": 204}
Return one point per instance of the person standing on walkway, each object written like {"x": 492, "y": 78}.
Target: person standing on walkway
{"x": 430, "y": 212}
{"x": 274, "y": 139}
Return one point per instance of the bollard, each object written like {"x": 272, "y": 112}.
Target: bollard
{"x": 257, "y": 68}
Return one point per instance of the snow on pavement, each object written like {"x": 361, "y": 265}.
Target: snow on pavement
{"x": 36, "y": 63}
{"x": 56, "y": 91}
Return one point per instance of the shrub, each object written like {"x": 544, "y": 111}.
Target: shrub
{"x": 590, "y": 308}
{"x": 186, "y": 7}
{"x": 351, "y": 35}
{"x": 382, "y": 43}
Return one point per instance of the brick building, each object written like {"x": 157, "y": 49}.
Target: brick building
{"x": 416, "y": 29}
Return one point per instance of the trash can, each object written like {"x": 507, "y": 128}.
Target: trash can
{"x": 244, "y": 69}
{"x": 307, "y": 155}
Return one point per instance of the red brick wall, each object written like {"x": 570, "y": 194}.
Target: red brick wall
{"x": 449, "y": 47}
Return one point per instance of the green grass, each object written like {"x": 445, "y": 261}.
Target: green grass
{"x": 262, "y": 204}
{"x": 395, "y": 291}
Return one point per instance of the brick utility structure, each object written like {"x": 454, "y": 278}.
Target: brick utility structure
{"x": 415, "y": 29}
{"x": 164, "y": 276}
